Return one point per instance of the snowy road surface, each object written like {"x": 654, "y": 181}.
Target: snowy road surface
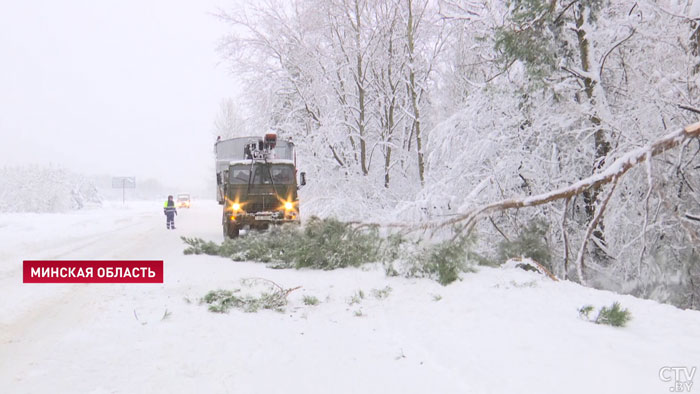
{"x": 496, "y": 331}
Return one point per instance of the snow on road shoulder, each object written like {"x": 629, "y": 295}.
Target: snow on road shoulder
{"x": 21, "y": 232}
{"x": 497, "y": 331}
{"x": 100, "y": 233}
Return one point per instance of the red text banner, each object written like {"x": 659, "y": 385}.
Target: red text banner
{"x": 93, "y": 271}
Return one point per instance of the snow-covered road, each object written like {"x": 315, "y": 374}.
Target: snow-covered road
{"x": 496, "y": 331}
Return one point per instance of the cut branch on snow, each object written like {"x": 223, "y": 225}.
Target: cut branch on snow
{"x": 688, "y": 108}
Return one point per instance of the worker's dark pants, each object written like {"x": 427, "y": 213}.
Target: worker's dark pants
{"x": 170, "y": 220}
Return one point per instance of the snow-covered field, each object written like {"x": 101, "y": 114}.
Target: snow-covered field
{"x": 496, "y": 331}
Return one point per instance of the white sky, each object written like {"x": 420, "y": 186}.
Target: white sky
{"x": 118, "y": 87}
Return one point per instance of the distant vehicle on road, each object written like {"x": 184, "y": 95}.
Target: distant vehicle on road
{"x": 183, "y": 201}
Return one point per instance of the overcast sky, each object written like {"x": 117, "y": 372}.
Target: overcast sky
{"x": 118, "y": 87}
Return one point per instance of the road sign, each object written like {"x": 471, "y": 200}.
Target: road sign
{"x": 124, "y": 182}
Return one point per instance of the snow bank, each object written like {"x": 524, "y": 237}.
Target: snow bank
{"x": 44, "y": 189}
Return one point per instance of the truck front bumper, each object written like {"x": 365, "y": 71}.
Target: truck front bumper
{"x": 258, "y": 218}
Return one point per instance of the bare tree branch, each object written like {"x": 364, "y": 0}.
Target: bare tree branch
{"x": 335, "y": 156}
{"x": 602, "y": 63}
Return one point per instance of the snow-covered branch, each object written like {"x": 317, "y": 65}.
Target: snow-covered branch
{"x": 614, "y": 171}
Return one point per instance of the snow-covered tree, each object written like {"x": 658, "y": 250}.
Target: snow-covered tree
{"x": 45, "y": 189}
{"x": 229, "y": 121}
{"x": 411, "y": 111}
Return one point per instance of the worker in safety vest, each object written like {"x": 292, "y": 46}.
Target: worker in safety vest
{"x": 170, "y": 211}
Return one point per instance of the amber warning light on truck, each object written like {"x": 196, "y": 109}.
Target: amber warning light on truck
{"x": 93, "y": 271}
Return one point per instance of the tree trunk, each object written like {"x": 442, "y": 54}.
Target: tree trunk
{"x": 601, "y": 145}
{"x": 414, "y": 95}
{"x": 360, "y": 90}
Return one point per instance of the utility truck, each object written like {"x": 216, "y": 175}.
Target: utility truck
{"x": 257, "y": 183}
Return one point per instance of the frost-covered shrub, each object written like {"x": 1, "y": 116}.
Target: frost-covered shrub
{"x": 44, "y": 189}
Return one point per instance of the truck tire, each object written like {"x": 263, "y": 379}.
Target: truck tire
{"x": 231, "y": 230}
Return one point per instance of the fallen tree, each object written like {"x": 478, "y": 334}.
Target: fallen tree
{"x": 611, "y": 174}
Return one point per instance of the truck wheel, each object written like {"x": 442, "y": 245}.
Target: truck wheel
{"x": 231, "y": 231}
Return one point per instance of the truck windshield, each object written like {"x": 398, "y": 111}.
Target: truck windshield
{"x": 239, "y": 174}
{"x": 282, "y": 174}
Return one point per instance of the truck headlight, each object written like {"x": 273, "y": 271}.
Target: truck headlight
{"x": 236, "y": 207}
{"x": 288, "y": 206}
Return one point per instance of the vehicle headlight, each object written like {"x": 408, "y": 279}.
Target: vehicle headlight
{"x": 288, "y": 206}
{"x": 236, "y": 206}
